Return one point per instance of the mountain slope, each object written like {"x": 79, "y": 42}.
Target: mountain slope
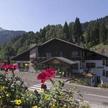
{"x": 6, "y": 35}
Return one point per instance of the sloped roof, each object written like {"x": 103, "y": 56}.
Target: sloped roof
{"x": 70, "y": 43}
{"x": 26, "y": 52}
{"x": 42, "y": 44}
{"x": 22, "y": 57}
{"x": 73, "y": 44}
{"x": 62, "y": 59}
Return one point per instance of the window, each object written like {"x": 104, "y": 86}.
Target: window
{"x": 90, "y": 65}
{"x": 82, "y": 62}
{"x": 81, "y": 65}
{"x": 103, "y": 72}
{"x": 105, "y": 62}
{"x": 106, "y": 73}
{"x": 74, "y": 66}
{"x": 48, "y": 54}
{"x": 61, "y": 54}
{"x": 75, "y": 53}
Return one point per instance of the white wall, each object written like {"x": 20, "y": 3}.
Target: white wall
{"x": 33, "y": 53}
{"x": 99, "y": 69}
{"x": 104, "y": 79}
{"x": 99, "y": 63}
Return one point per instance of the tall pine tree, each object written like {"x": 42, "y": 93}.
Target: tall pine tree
{"x": 77, "y": 31}
{"x": 92, "y": 34}
{"x": 102, "y": 33}
{"x": 95, "y": 32}
{"x": 71, "y": 31}
{"x": 66, "y": 31}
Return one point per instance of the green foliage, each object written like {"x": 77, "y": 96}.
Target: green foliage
{"x": 92, "y": 34}
{"x": 2, "y": 54}
{"x": 77, "y": 31}
{"x": 13, "y": 93}
{"x": 66, "y": 31}
{"x": 87, "y": 34}
{"x": 71, "y": 38}
{"x": 103, "y": 33}
{"x": 82, "y": 81}
{"x": 105, "y": 85}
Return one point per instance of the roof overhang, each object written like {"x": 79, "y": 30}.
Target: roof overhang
{"x": 22, "y": 57}
{"x": 58, "y": 60}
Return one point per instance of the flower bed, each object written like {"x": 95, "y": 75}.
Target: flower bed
{"x": 14, "y": 94}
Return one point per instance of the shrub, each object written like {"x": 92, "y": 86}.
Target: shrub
{"x": 13, "y": 93}
{"x": 104, "y": 85}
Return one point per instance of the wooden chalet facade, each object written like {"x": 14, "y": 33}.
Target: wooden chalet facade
{"x": 69, "y": 55}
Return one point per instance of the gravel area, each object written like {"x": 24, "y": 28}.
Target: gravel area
{"x": 29, "y": 78}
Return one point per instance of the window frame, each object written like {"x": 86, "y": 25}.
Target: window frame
{"x": 92, "y": 65}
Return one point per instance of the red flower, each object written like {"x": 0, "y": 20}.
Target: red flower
{"x": 46, "y": 74}
{"x": 12, "y": 66}
{"x": 42, "y": 76}
{"x": 51, "y": 72}
{"x": 5, "y": 66}
{"x": 8, "y": 66}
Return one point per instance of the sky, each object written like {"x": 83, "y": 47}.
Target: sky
{"x": 31, "y": 15}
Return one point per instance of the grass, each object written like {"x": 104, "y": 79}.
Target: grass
{"x": 80, "y": 80}
{"x": 105, "y": 85}
{"x": 100, "y": 48}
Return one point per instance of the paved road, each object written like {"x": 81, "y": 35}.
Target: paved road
{"x": 97, "y": 97}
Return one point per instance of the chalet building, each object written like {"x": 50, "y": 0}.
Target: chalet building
{"x": 71, "y": 57}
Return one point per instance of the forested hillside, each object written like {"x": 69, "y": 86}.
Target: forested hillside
{"x": 88, "y": 34}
